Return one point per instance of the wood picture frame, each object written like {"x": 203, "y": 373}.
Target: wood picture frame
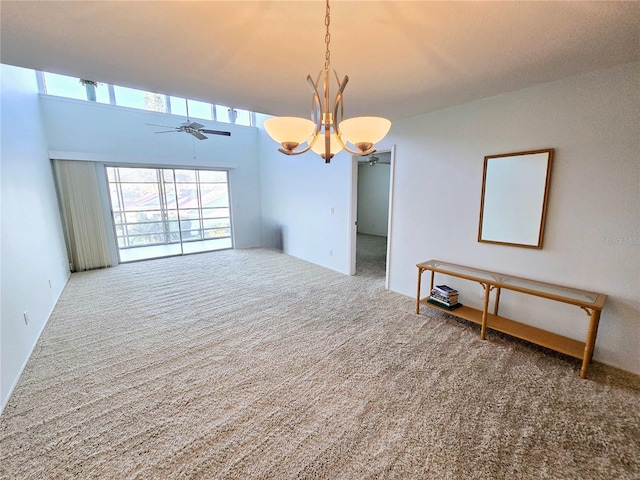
{"x": 515, "y": 192}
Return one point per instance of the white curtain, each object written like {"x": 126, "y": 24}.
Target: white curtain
{"x": 82, "y": 214}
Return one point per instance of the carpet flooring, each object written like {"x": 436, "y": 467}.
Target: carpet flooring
{"x": 251, "y": 364}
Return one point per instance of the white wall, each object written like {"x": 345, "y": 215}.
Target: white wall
{"x": 81, "y": 130}
{"x": 592, "y": 233}
{"x": 306, "y": 205}
{"x": 33, "y": 251}
{"x": 373, "y": 198}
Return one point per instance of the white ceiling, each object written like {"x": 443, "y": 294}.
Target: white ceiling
{"x": 403, "y": 58}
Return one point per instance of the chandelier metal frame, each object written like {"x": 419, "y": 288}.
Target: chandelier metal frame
{"x": 326, "y": 116}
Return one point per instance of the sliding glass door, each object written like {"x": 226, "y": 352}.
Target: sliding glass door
{"x": 159, "y": 212}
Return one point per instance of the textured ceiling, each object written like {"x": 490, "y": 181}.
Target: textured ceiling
{"x": 402, "y": 58}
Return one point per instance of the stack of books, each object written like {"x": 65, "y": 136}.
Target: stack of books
{"x": 444, "y": 297}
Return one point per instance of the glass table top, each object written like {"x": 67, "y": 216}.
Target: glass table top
{"x": 517, "y": 283}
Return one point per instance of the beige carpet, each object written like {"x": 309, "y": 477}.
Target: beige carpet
{"x": 252, "y": 364}
{"x": 371, "y": 257}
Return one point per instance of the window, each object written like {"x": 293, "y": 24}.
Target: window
{"x": 130, "y": 97}
{"x": 71, "y": 87}
{"x": 244, "y": 117}
{"x": 178, "y": 106}
{"x": 200, "y": 110}
{"x": 163, "y": 211}
{"x": 222, "y": 113}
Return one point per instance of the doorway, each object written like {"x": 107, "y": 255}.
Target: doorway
{"x": 160, "y": 212}
{"x": 371, "y": 195}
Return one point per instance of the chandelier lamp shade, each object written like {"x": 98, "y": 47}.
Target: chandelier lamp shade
{"x": 326, "y": 133}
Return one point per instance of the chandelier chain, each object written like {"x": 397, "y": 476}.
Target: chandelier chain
{"x": 327, "y": 38}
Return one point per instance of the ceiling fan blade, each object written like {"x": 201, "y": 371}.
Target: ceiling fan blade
{"x": 198, "y": 135}
{"x": 156, "y": 125}
{"x": 215, "y": 132}
{"x": 195, "y": 125}
{"x": 166, "y": 131}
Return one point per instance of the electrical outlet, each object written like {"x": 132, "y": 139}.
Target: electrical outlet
{"x": 26, "y": 317}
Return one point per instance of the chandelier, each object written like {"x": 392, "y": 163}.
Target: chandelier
{"x": 327, "y": 133}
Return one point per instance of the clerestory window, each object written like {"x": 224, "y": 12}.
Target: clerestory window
{"x": 73, "y": 87}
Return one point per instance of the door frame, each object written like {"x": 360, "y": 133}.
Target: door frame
{"x": 353, "y": 214}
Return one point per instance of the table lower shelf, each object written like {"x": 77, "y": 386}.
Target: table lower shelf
{"x": 544, "y": 338}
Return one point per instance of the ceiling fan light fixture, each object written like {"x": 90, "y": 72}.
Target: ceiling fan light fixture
{"x": 326, "y": 133}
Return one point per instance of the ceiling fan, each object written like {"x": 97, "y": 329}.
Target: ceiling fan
{"x": 194, "y": 128}
{"x": 373, "y": 160}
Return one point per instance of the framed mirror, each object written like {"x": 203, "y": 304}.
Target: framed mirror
{"x": 515, "y": 187}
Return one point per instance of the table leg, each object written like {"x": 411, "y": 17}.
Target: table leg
{"x": 418, "y": 294}
{"x": 591, "y": 342}
{"x": 496, "y": 301}
{"x": 483, "y": 329}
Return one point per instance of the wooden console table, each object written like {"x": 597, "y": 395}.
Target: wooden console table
{"x": 591, "y": 303}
